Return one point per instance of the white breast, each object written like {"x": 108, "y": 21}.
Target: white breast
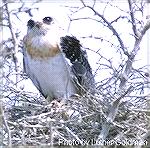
{"x": 53, "y": 75}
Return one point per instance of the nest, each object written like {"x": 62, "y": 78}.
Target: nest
{"x": 76, "y": 121}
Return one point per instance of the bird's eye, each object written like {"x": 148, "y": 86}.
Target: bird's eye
{"x": 47, "y": 20}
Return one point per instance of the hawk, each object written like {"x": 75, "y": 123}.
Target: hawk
{"x": 57, "y": 65}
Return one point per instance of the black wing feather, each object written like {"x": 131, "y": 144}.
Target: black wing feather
{"x": 72, "y": 48}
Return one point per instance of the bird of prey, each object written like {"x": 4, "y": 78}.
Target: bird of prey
{"x": 57, "y": 65}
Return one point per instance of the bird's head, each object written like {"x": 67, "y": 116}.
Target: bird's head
{"x": 40, "y": 27}
{"x": 42, "y": 37}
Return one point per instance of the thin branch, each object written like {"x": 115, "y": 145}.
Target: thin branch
{"x": 82, "y": 1}
{"x": 138, "y": 40}
{"x": 94, "y": 3}
{"x": 124, "y": 77}
{"x": 14, "y": 39}
{"x": 74, "y": 135}
{"x": 132, "y": 19}
{"x": 112, "y": 114}
{"x": 109, "y": 25}
{"x": 7, "y": 129}
{"x": 123, "y": 80}
{"x": 145, "y": 28}
{"x": 120, "y": 17}
{"x": 4, "y": 25}
{"x": 130, "y": 60}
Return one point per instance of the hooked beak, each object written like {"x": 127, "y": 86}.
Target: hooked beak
{"x": 31, "y": 23}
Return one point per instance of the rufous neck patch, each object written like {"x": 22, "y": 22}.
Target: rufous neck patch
{"x": 40, "y": 49}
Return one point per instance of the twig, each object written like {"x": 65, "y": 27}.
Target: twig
{"x": 111, "y": 116}
{"x": 109, "y": 25}
{"x": 7, "y": 129}
{"x": 14, "y": 39}
{"x": 74, "y": 135}
{"x": 130, "y": 60}
{"x": 83, "y": 3}
{"x": 51, "y": 133}
{"x": 124, "y": 78}
{"x": 120, "y": 17}
{"x": 132, "y": 19}
{"x": 94, "y": 2}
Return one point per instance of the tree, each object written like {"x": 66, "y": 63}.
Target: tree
{"x": 117, "y": 114}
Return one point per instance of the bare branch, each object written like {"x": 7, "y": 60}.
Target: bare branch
{"x": 82, "y": 1}
{"x": 145, "y": 28}
{"x": 7, "y": 129}
{"x": 120, "y": 17}
{"x": 132, "y": 19}
{"x": 112, "y": 114}
{"x": 94, "y": 3}
{"x": 109, "y": 25}
{"x": 139, "y": 39}
{"x": 14, "y": 39}
{"x": 123, "y": 78}
{"x": 4, "y": 25}
{"x": 74, "y": 135}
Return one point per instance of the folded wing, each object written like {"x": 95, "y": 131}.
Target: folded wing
{"x": 73, "y": 51}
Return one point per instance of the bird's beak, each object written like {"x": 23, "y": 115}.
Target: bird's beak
{"x": 31, "y": 23}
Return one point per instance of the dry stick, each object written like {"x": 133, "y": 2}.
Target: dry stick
{"x": 123, "y": 79}
{"x": 132, "y": 19}
{"x": 51, "y": 133}
{"x": 14, "y": 40}
{"x": 7, "y": 129}
{"x": 113, "y": 111}
{"x": 74, "y": 135}
{"x": 111, "y": 116}
{"x": 109, "y": 25}
{"x": 114, "y": 108}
